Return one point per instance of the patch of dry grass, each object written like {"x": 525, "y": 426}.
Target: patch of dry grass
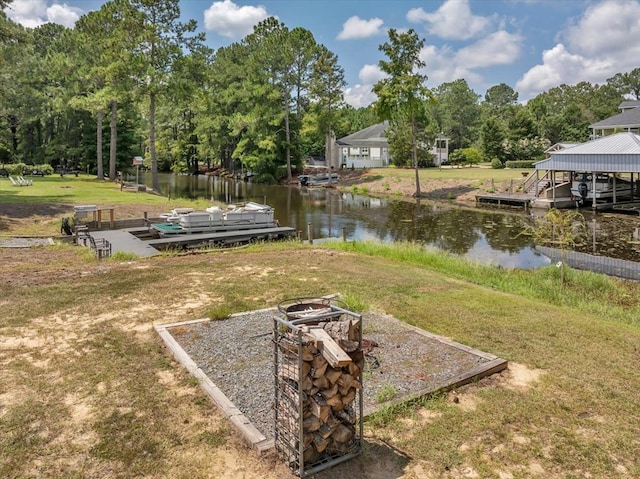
{"x": 87, "y": 389}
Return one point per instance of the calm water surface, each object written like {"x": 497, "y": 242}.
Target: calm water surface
{"x": 482, "y": 235}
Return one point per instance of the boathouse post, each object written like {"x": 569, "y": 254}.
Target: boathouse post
{"x": 593, "y": 189}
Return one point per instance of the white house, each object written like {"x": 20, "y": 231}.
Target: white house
{"x": 628, "y": 120}
{"x": 369, "y": 148}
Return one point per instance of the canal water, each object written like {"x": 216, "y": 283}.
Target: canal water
{"x": 487, "y": 236}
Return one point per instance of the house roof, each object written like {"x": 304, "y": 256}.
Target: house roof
{"x": 619, "y": 153}
{"x": 628, "y": 118}
{"x": 629, "y": 104}
{"x": 372, "y": 136}
{"x": 560, "y": 146}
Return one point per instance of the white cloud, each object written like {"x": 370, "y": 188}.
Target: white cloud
{"x": 33, "y": 13}
{"x": 559, "y": 66}
{"x": 499, "y": 48}
{"x": 231, "y": 21}
{"x": 359, "y": 96}
{"x": 603, "y": 42}
{"x": 441, "y": 66}
{"x": 370, "y": 74}
{"x": 63, "y": 14}
{"x": 356, "y": 27}
{"x": 362, "y": 94}
{"x": 453, "y": 20}
{"x": 605, "y": 28}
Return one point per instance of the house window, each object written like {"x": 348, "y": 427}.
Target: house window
{"x": 364, "y": 151}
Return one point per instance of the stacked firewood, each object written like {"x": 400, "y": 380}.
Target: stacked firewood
{"x": 329, "y": 380}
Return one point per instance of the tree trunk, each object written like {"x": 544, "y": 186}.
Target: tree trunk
{"x": 152, "y": 142}
{"x": 414, "y": 152}
{"x": 112, "y": 145}
{"x": 288, "y": 139}
{"x": 99, "y": 165}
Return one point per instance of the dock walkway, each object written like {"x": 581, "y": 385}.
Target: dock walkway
{"x": 124, "y": 241}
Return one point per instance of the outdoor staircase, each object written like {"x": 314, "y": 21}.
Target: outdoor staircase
{"x": 535, "y": 183}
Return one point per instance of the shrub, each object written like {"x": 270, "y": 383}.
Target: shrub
{"x": 520, "y": 164}
{"x": 265, "y": 178}
{"x": 496, "y": 164}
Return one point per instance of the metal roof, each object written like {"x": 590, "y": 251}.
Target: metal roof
{"x": 628, "y": 118}
{"x": 619, "y": 153}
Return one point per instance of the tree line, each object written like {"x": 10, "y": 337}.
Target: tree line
{"x": 131, "y": 79}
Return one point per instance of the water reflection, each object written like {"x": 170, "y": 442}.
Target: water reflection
{"x": 486, "y": 236}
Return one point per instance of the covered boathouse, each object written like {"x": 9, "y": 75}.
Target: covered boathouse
{"x": 604, "y": 172}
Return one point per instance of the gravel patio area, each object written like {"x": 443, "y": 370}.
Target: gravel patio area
{"x": 237, "y": 355}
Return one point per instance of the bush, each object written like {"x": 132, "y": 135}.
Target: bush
{"x": 465, "y": 156}
{"x": 265, "y": 179}
{"x": 496, "y": 164}
{"x": 520, "y": 164}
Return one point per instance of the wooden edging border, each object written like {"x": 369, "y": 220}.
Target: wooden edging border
{"x": 255, "y": 438}
{"x": 258, "y": 440}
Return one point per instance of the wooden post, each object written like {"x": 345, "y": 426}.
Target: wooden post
{"x": 111, "y": 218}
{"x": 99, "y": 218}
{"x": 344, "y": 234}
{"x": 310, "y": 233}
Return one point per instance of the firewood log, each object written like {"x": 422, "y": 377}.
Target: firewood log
{"x": 319, "y": 371}
{"x": 311, "y": 424}
{"x": 336, "y": 402}
{"x": 342, "y": 433}
{"x": 353, "y": 369}
{"x": 320, "y": 443}
{"x": 322, "y": 383}
{"x": 332, "y": 374}
{"x": 331, "y": 391}
{"x": 321, "y": 411}
{"x": 349, "y": 397}
{"x": 329, "y": 348}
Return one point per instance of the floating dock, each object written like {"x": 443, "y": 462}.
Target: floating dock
{"x": 510, "y": 200}
{"x": 142, "y": 243}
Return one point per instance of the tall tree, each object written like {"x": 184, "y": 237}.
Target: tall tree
{"x": 627, "y": 84}
{"x": 161, "y": 39}
{"x": 501, "y": 95}
{"x": 402, "y": 94}
{"x": 458, "y": 113}
{"x": 326, "y": 90}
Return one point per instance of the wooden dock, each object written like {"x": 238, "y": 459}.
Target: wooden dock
{"x": 505, "y": 199}
{"x": 139, "y": 242}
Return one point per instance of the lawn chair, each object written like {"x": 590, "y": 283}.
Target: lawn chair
{"x": 24, "y": 182}
{"x": 13, "y": 182}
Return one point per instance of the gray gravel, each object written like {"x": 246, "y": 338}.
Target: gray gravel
{"x": 237, "y": 355}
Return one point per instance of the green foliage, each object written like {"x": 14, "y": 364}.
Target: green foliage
{"x": 496, "y": 164}
{"x": 525, "y": 149}
{"x": 386, "y": 393}
{"x": 354, "y": 302}
{"x": 123, "y": 256}
{"x": 519, "y": 164}
{"x": 457, "y": 111}
{"x": 561, "y": 229}
{"x": 402, "y": 95}
{"x": 265, "y": 178}
{"x": 465, "y": 156}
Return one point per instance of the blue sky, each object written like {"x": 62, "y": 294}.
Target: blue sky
{"x": 531, "y": 45}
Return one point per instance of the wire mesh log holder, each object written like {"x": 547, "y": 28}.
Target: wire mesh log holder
{"x": 318, "y": 364}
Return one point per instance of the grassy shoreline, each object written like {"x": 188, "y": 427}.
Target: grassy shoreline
{"x": 88, "y": 390}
